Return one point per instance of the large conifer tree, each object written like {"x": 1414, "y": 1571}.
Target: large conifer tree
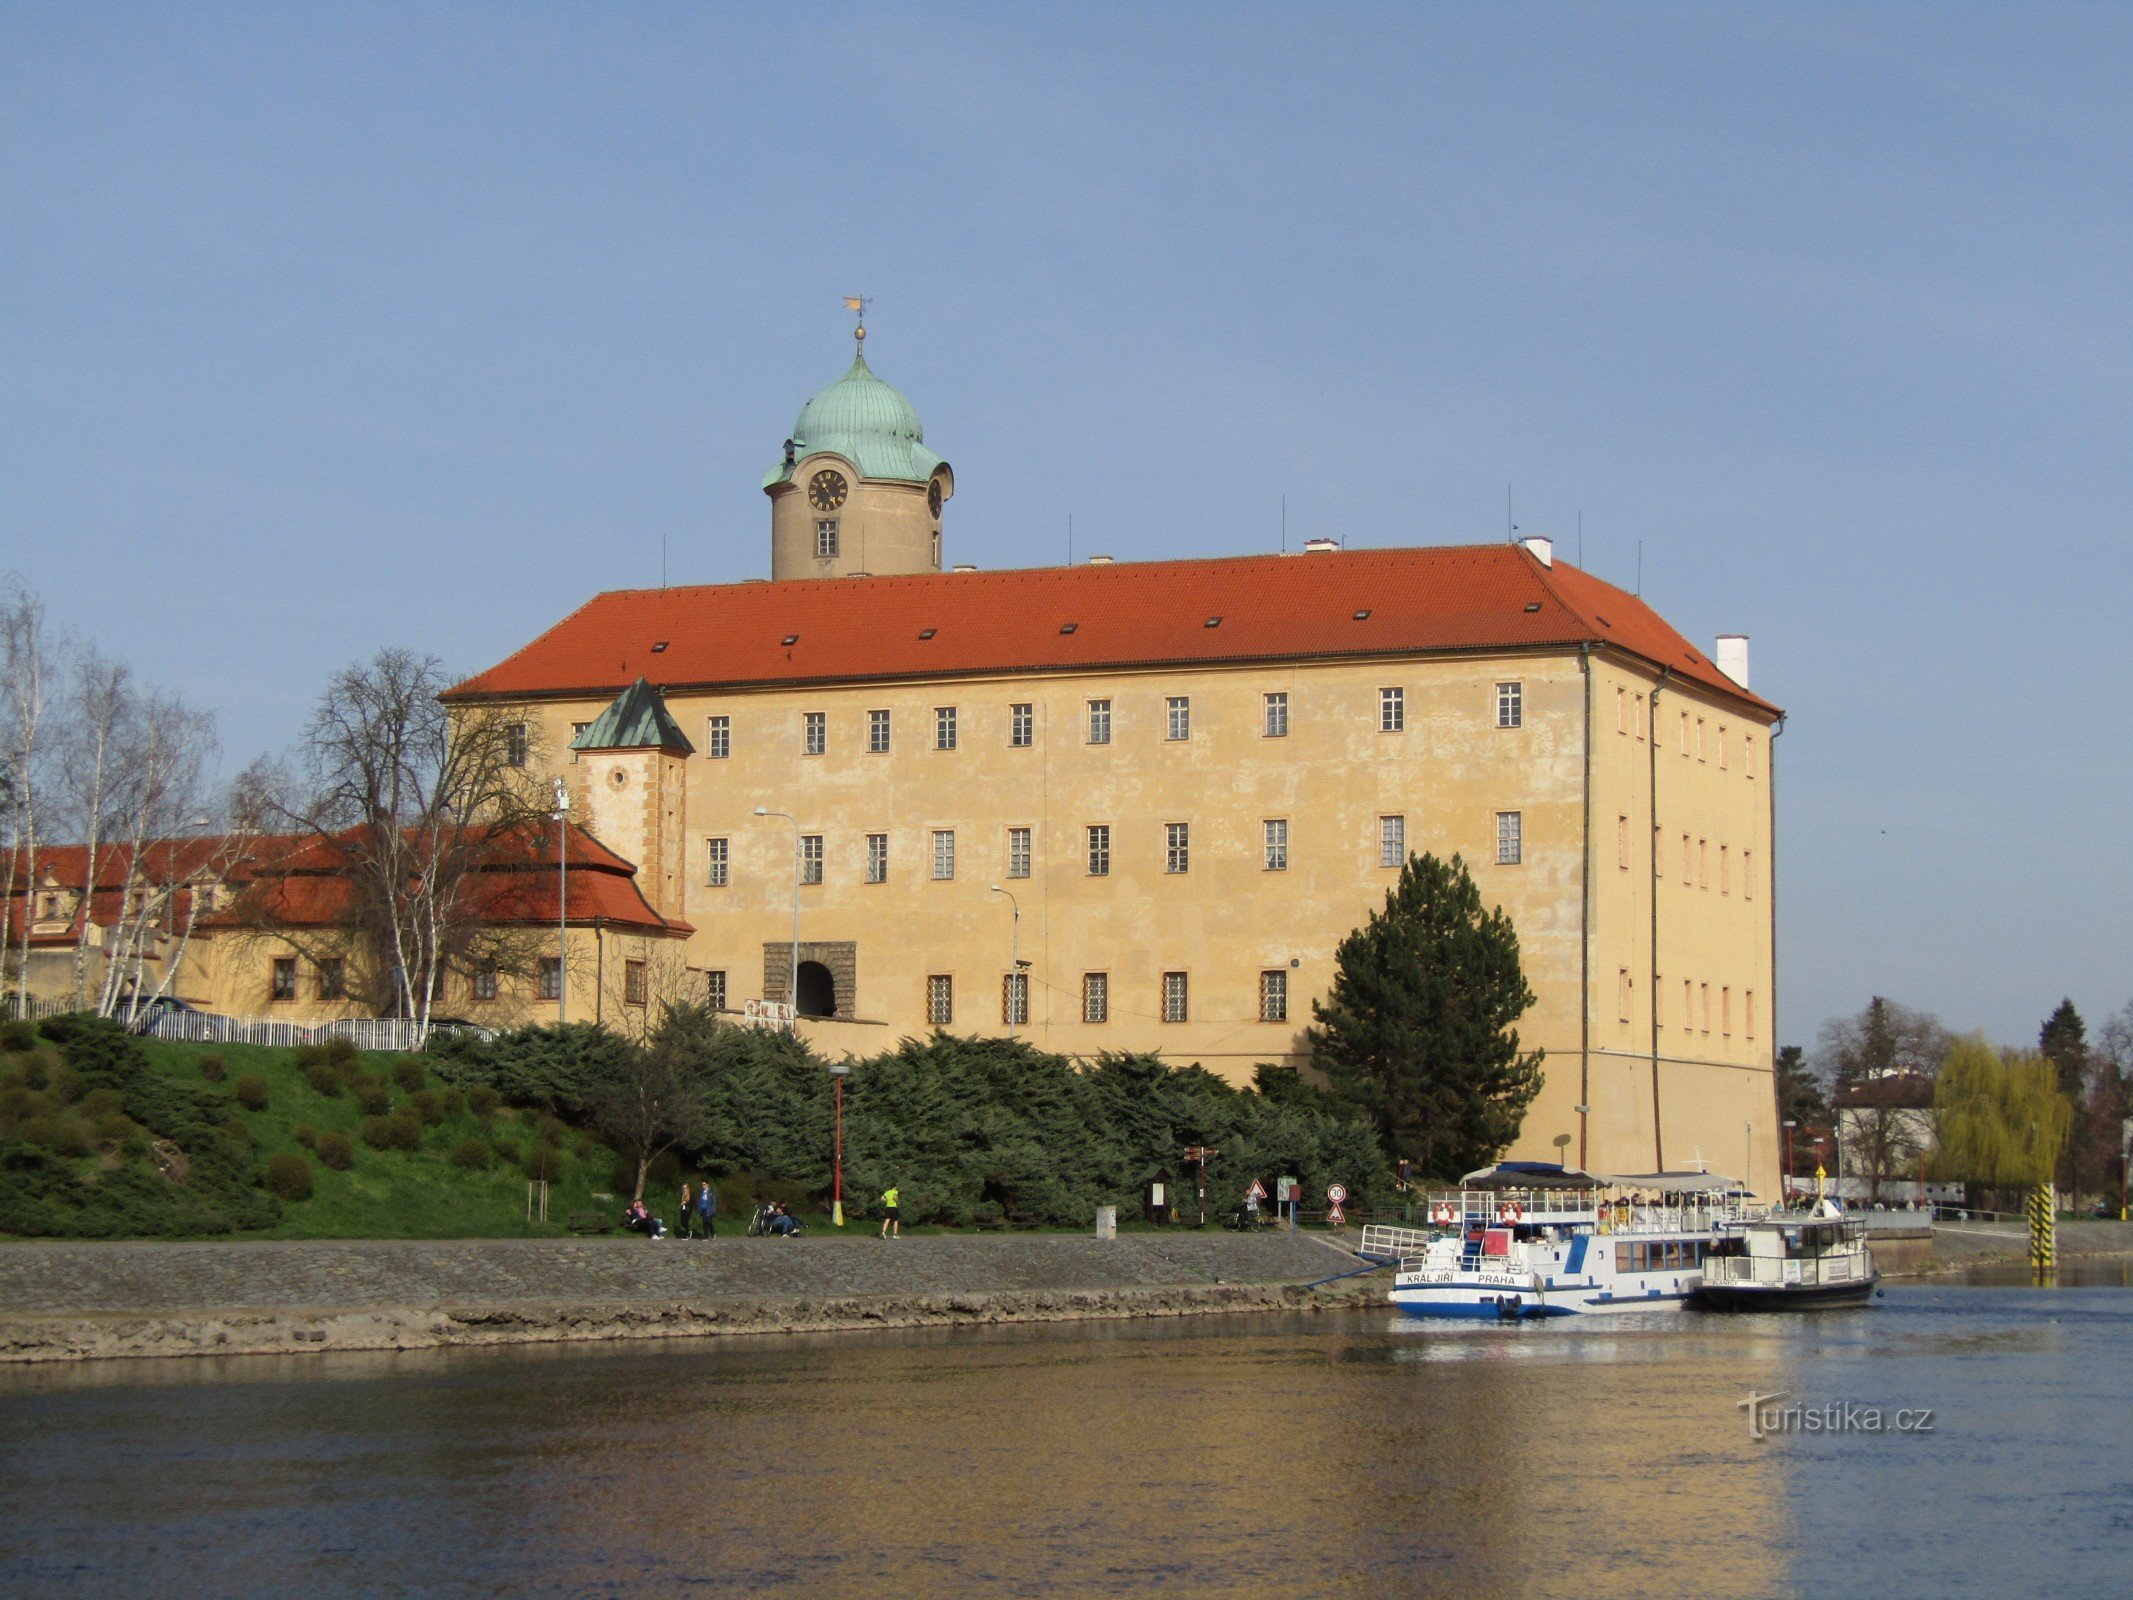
{"x": 1419, "y": 1031}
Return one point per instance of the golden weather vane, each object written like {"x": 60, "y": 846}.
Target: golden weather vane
{"x": 857, "y": 306}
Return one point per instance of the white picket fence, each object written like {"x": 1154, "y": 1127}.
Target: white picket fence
{"x": 365, "y": 1033}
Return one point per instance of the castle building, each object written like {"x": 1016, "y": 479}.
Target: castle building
{"x": 1136, "y": 805}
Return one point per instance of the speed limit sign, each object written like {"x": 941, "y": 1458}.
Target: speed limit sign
{"x": 1335, "y": 1194}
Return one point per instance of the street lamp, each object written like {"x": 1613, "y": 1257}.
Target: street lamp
{"x": 1017, "y": 986}
{"x": 562, "y": 903}
{"x": 839, "y": 1071}
{"x": 792, "y": 972}
{"x": 1819, "y": 1168}
{"x": 1747, "y": 1139}
{"x": 1583, "y": 1112}
{"x": 1785, "y": 1188}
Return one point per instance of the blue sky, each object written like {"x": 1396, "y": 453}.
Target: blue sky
{"x": 328, "y": 327}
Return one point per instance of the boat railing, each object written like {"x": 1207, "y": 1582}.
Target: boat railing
{"x": 1387, "y": 1241}
{"x": 1727, "y": 1272}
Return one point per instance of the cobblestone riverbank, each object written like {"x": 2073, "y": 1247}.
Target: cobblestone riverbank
{"x": 85, "y": 1301}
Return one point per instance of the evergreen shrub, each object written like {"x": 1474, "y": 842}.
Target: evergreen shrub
{"x": 409, "y": 1073}
{"x": 211, "y": 1068}
{"x": 335, "y": 1151}
{"x": 250, "y": 1092}
{"x": 472, "y": 1154}
{"x": 289, "y": 1176}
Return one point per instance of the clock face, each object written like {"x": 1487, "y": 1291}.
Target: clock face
{"x": 826, "y": 490}
{"x": 933, "y": 497}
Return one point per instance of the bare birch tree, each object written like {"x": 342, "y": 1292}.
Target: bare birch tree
{"x": 403, "y": 803}
{"x": 97, "y": 724}
{"x": 29, "y": 667}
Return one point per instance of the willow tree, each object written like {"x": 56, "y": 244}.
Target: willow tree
{"x": 2002, "y": 1120}
{"x": 1419, "y": 1032}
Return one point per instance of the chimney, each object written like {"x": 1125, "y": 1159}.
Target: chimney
{"x": 1541, "y": 548}
{"x": 1732, "y": 657}
{"x": 1320, "y": 546}
{"x": 1099, "y": 561}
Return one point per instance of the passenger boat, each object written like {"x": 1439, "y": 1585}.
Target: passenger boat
{"x": 1525, "y": 1239}
{"x": 1789, "y": 1261}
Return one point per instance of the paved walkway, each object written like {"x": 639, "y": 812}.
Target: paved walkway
{"x": 153, "y": 1278}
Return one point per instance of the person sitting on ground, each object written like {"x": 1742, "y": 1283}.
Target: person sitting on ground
{"x": 640, "y": 1220}
{"x": 783, "y": 1224}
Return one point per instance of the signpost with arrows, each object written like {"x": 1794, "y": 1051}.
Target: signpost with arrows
{"x": 1199, "y": 1155}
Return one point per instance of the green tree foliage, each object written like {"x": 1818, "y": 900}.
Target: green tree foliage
{"x": 2063, "y": 1040}
{"x": 2001, "y": 1118}
{"x": 1418, "y": 1033}
{"x": 1799, "y": 1095}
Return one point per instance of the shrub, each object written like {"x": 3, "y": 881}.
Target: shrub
{"x": 472, "y": 1154}
{"x": 63, "y": 1136}
{"x": 543, "y": 1161}
{"x": 409, "y": 1073}
{"x": 309, "y": 1056}
{"x": 289, "y": 1176}
{"x": 17, "y": 1036}
{"x": 375, "y": 1096}
{"x": 102, "y": 1103}
{"x": 251, "y": 1092}
{"x": 506, "y": 1151}
{"x": 399, "y": 1131}
{"x": 307, "y": 1136}
{"x": 335, "y": 1151}
{"x": 550, "y": 1132}
{"x": 324, "y": 1078}
{"x": 341, "y": 1052}
{"x": 483, "y": 1101}
{"x": 211, "y": 1068}
{"x": 426, "y": 1105}
{"x": 451, "y": 1102}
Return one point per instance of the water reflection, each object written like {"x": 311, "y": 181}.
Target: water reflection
{"x": 1205, "y": 1457}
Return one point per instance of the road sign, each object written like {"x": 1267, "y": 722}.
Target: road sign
{"x": 1256, "y": 1192}
{"x": 1335, "y": 1194}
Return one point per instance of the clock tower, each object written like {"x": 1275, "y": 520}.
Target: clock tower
{"x": 856, "y": 493}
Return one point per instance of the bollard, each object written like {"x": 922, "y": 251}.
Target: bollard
{"x": 1107, "y": 1222}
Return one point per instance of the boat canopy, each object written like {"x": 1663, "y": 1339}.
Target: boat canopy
{"x": 1530, "y": 1175}
{"x": 1674, "y": 1182}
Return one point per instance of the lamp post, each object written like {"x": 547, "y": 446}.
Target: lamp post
{"x": 792, "y": 971}
{"x": 562, "y": 903}
{"x": 1747, "y": 1138}
{"x": 1785, "y": 1187}
{"x": 839, "y": 1071}
{"x": 1017, "y": 988}
{"x": 1819, "y": 1141}
{"x": 1583, "y": 1112}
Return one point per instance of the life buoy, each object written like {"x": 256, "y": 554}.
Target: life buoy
{"x": 1509, "y": 1211}
{"x": 1442, "y": 1212}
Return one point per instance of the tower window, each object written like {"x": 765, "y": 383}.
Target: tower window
{"x": 826, "y": 538}
{"x": 936, "y": 549}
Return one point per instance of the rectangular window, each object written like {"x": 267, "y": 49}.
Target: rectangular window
{"x": 1747, "y": 874}
{"x": 1621, "y": 711}
{"x": 1510, "y": 705}
{"x": 1748, "y": 1010}
{"x": 1277, "y": 716}
{"x": 1014, "y": 999}
{"x": 718, "y": 738}
{"x": 1688, "y": 1004}
{"x": 1392, "y": 710}
{"x": 1688, "y": 862}
{"x": 1622, "y": 994}
{"x": 1175, "y": 997}
{"x": 515, "y": 744}
{"x": 333, "y": 980}
{"x": 715, "y": 990}
{"x": 1022, "y": 725}
{"x": 1725, "y": 1011}
{"x": 1099, "y": 849}
{"x": 1704, "y": 994}
{"x": 485, "y": 981}
{"x": 1725, "y": 872}
{"x": 1699, "y": 739}
{"x": 1099, "y": 722}
{"x": 943, "y": 852}
{"x": 940, "y": 1000}
{"x": 551, "y": 979}
{"x": 1622, "y": 843}
{"x": 1277, "y": 844}
{"x": 1684, "y": 734}
{"x": 1747, "y": 754}
{"x": 877, "y": 733}
{"x": 1177, "y": 846}
{"x": 1722, "y": 744}
{"x": 717, "y": 863}
{"x": 815, "y": 733}
{"x": 825, "y": 538}
{"x": 577, "y": 728}
{"x": 634, "y": 984}
{"x": 1178, "y": 710}
{"x": 1510, "y": 838}
{"x": 944, "y": 727}
{"x": 1018, "y": 852}
{"x": 1703, "y": 863}
{"x": 1392, "y": 841}
{"x": 1096, "y": 997}
{"x": 1274, "y": 995}
{"x": 877, "y": 858}
{"x": 1637, "y": 716}
{"x": 810, "y": 858}
{"x": 284, "y": 978}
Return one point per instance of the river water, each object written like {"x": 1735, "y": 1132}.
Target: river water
{"x": 1335, "y": 1454}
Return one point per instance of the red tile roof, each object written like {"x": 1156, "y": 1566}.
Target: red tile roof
{"x": 1128, "y": 614}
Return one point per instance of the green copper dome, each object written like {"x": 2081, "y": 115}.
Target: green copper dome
{"x": 865, "y": 421}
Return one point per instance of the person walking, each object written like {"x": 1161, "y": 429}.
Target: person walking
{"x": 707, "y": 1209}
{"x": 891, "y": 1224}
{"x": 688, "y": 1210}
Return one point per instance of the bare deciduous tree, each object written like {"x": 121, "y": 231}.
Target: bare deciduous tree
{"x": 29, "y": 667}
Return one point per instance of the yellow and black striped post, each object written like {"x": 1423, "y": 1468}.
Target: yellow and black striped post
{"x": 2044, "y": 1227}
